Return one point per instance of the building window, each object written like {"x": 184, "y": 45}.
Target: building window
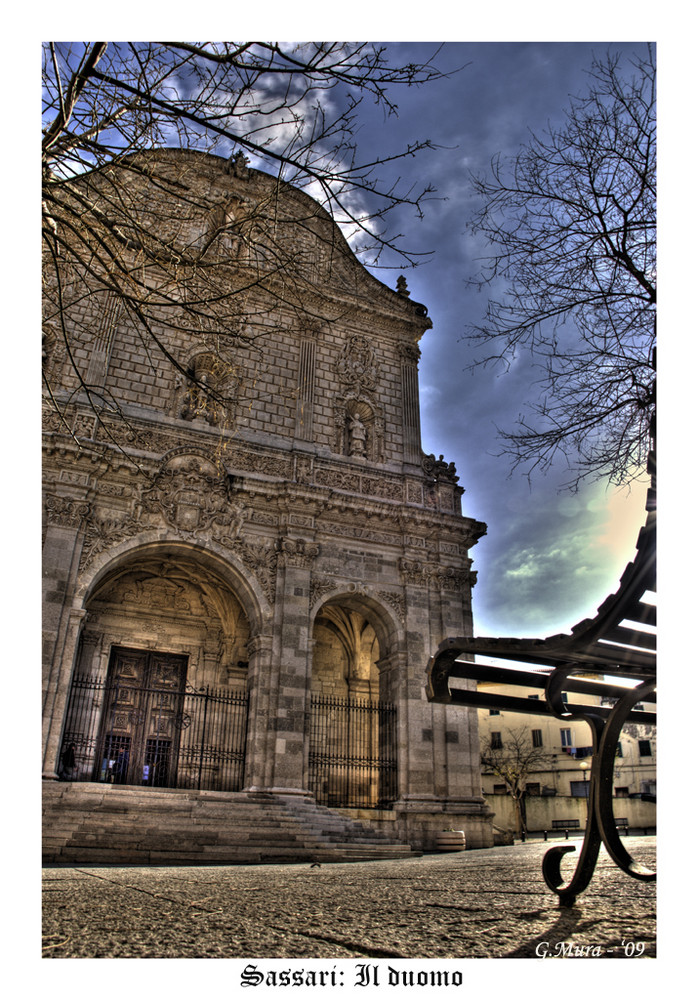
{"x": 533, "y": 697}
{"x": 645, "y": 748}
{"x": 622, "y": 793}
{"x": 495, "y": 741}
{"x": 579, "y": 789}
{"x": 537, "y": 737}
{"x": 500, "y": 790}
{"x": 566, "y": 738}
{"x": 533, "y": 788}
{"x": 494, "y": 711}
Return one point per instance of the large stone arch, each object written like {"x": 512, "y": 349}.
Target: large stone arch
{"x": 211, "y": 557}
{"x": 382, "y": 616}
{"x": 352, "y": 737}
{"x": 167, "y": 598}
{"x": 157, "y": 593}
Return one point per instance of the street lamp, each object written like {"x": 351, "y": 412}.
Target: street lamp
{"x": 584, "y": 768}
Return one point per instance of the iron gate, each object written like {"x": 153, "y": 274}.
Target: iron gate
{"x": 126, "y": 734}
{"x": 352, "y": 760}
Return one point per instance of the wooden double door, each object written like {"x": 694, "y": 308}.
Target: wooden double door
{"x": 141, "y": 718}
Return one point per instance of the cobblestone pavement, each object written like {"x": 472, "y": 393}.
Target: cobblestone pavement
{"x": 477, "y": 904}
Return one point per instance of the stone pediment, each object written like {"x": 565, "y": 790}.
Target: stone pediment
{"x": 252, "y": 219}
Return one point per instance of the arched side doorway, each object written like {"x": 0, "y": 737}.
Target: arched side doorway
{"x": 352, "y": 723}
{"x": 159, "y": 694}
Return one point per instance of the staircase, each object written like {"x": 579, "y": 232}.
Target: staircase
{"x": 98, "y": 824}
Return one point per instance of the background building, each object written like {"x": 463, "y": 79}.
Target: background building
{"x": 247, "y": 556}
{"x": 556, "y": 755}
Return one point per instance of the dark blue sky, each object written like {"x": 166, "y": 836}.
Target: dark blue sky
{"x": 549, "y": 557}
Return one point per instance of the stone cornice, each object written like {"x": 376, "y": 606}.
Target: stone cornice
{"x": 305, "y": 505}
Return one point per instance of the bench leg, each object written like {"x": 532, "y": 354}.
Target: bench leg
{"x": 601, "y": 826}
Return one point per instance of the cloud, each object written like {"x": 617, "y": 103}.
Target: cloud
{"x": 549, "y": 558}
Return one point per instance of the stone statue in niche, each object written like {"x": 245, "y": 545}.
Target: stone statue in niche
{"x": 198, "y": 404}
{"x": 208, "y": 388}
{"x": 357, "y": 436}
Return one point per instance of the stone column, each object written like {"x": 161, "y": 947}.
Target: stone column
{"x": 442, "y": 768}
{"x": 57, "y": 695}
{"x": 258, "y": 761}
{"x": 288, "y": 684}
{"x": 61, "y": 625}
{"x": 410, "y": 404}
{"x": 416, "y": 719}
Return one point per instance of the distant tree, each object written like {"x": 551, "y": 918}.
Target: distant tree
{"x": 572, "y": 220}
{"x": 291, "y": 110}
{"x": 513, "y": 758}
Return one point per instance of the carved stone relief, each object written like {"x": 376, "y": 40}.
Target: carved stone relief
{"x": 66, "y": 511}
{"x": 446, "y": 578}
{"x": 297, "y": 552}
{"x": 410, "y": 353}
{"x": 210, "y": 393}
{"x": 356, "y": 366}
{"x": 193, "y": 497}
{"x": 396, "y": 601}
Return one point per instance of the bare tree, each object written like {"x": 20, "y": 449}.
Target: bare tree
{"x": 118, "y": 222}
{"x": 572, "y": 219}
{"x": 513, "y": 758}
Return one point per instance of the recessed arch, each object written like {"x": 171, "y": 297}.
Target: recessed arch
{"x": 213, "y": 559}
{"x": 359, "y": 427}
{"x": 380, "y": 615}
{"x": 352, "y": 745}
{"x": 160, "y": 687}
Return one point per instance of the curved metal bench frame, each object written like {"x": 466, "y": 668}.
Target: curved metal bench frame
{"x": 615, "y": 644}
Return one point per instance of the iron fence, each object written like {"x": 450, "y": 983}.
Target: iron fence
{"x": 352, "y": 759}
{"x": 124, "y": 734}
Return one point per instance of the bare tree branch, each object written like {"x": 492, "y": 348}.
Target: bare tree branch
{"x": 514, "y": 758}
{"x": 572, "y": 220}
{"x": 118, "y": 222}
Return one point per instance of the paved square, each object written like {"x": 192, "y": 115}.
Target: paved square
{"x": 478, "y": 904}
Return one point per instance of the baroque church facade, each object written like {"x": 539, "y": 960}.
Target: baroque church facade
{"x": 247, "y": 557}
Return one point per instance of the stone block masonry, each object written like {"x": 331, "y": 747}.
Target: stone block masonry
{"x": 286, "y": 537}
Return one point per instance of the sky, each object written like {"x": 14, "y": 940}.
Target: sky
{"x": 550, "y": 557}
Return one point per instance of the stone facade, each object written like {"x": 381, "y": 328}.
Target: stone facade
{"x": 285, "y": 536}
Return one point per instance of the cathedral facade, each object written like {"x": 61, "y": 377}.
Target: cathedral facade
{"x": 248, "y": 558}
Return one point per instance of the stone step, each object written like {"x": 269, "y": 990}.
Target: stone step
{"x": 123, "y": 825}
{"x": 168, "y": 819}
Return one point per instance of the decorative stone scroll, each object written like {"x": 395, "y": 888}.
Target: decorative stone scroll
{"x": 66, "y": 511}
{"x": 297, "y": 552}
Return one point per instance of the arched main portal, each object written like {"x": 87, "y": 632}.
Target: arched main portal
{"x": 159, "y": 693}
{"x": 352, "y": 745}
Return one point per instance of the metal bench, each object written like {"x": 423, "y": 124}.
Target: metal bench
{"x": 617, "y": 645}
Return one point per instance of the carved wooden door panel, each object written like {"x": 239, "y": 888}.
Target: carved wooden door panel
{"x": 139, "y": 739}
